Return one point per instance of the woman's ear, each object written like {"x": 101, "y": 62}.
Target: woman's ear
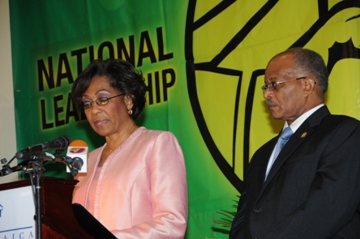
{"x": 128, "y": 99}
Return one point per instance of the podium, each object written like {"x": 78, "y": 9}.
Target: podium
{"x": 57, "y": 218}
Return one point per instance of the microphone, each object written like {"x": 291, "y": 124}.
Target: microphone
{"x": 29, "y": 156}
{"x": 75, "y": 158}
{"x": 7, "y": 169}
{"x": 59, "y": 144}
{"x": 26, "y": 156}
{"x": 78, "y": 151}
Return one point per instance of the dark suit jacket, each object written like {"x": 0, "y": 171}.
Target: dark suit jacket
{"x": 313, "y": 188}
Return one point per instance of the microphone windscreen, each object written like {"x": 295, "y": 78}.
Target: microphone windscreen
{"x": 67, "y": 140}
{"x": 78, "y": 149}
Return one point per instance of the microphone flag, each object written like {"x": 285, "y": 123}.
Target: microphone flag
{"x": 78, "y": 150}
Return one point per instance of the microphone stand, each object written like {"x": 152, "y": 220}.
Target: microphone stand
{"x": 37, "y": 172}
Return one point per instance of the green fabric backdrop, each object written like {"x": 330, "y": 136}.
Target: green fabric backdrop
{"x": 203, "y": 62}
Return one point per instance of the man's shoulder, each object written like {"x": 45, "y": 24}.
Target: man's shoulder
{"x": 337, "y": 119}
{"x": 323, "y": 117}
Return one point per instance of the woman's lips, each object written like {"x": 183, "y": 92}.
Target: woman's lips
{"x": 100, "y": 122}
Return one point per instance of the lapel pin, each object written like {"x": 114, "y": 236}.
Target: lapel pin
{"x": 303, "y": 135}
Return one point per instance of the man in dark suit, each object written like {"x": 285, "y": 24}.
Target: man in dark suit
{"x": 311, "y": 190}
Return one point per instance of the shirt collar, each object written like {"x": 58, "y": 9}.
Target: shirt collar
{"x": 296, "y": 124}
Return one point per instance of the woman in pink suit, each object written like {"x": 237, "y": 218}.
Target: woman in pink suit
{"x": 136, "y": 182}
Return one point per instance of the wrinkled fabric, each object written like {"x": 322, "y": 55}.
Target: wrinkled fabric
{"x": 142, "y": 190}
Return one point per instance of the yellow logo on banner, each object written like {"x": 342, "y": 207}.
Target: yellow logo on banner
{"x": 228, "y": 45}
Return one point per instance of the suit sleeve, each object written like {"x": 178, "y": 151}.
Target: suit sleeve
{"x": 237, "y": 227}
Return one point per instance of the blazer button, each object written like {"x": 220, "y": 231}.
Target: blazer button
{"x": 257, "y": 210}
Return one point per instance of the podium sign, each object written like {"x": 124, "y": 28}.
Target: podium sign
{"x": 57, "y": 218}
{"x": 17, "y": 211}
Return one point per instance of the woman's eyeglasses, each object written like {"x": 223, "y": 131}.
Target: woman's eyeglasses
{"x": 100, "y": 101}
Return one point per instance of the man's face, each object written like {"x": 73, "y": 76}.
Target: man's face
{"x": 286, "y": 100}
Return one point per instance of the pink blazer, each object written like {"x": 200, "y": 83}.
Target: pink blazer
{"x": 141, "y": 191}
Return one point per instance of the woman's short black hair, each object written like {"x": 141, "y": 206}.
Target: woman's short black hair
{"x": 122, "y": 76}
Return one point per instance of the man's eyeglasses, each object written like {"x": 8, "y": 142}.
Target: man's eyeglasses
{"x": 274, "y": 84}
{"x": 100, "y": 102}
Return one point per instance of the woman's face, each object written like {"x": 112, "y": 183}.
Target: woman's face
{"x": 109, "y": 119}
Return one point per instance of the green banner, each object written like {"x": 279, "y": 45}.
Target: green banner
{"x": 203, "y": 62}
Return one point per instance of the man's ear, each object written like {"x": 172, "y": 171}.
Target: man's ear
{"x": 309, "y": 85}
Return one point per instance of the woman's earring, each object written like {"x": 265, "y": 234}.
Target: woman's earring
{"x": 130, "y": 112}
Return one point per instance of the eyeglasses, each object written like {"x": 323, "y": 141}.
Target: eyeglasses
{"x": 274, "y": 84}
{"x": 100, "y": 102}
